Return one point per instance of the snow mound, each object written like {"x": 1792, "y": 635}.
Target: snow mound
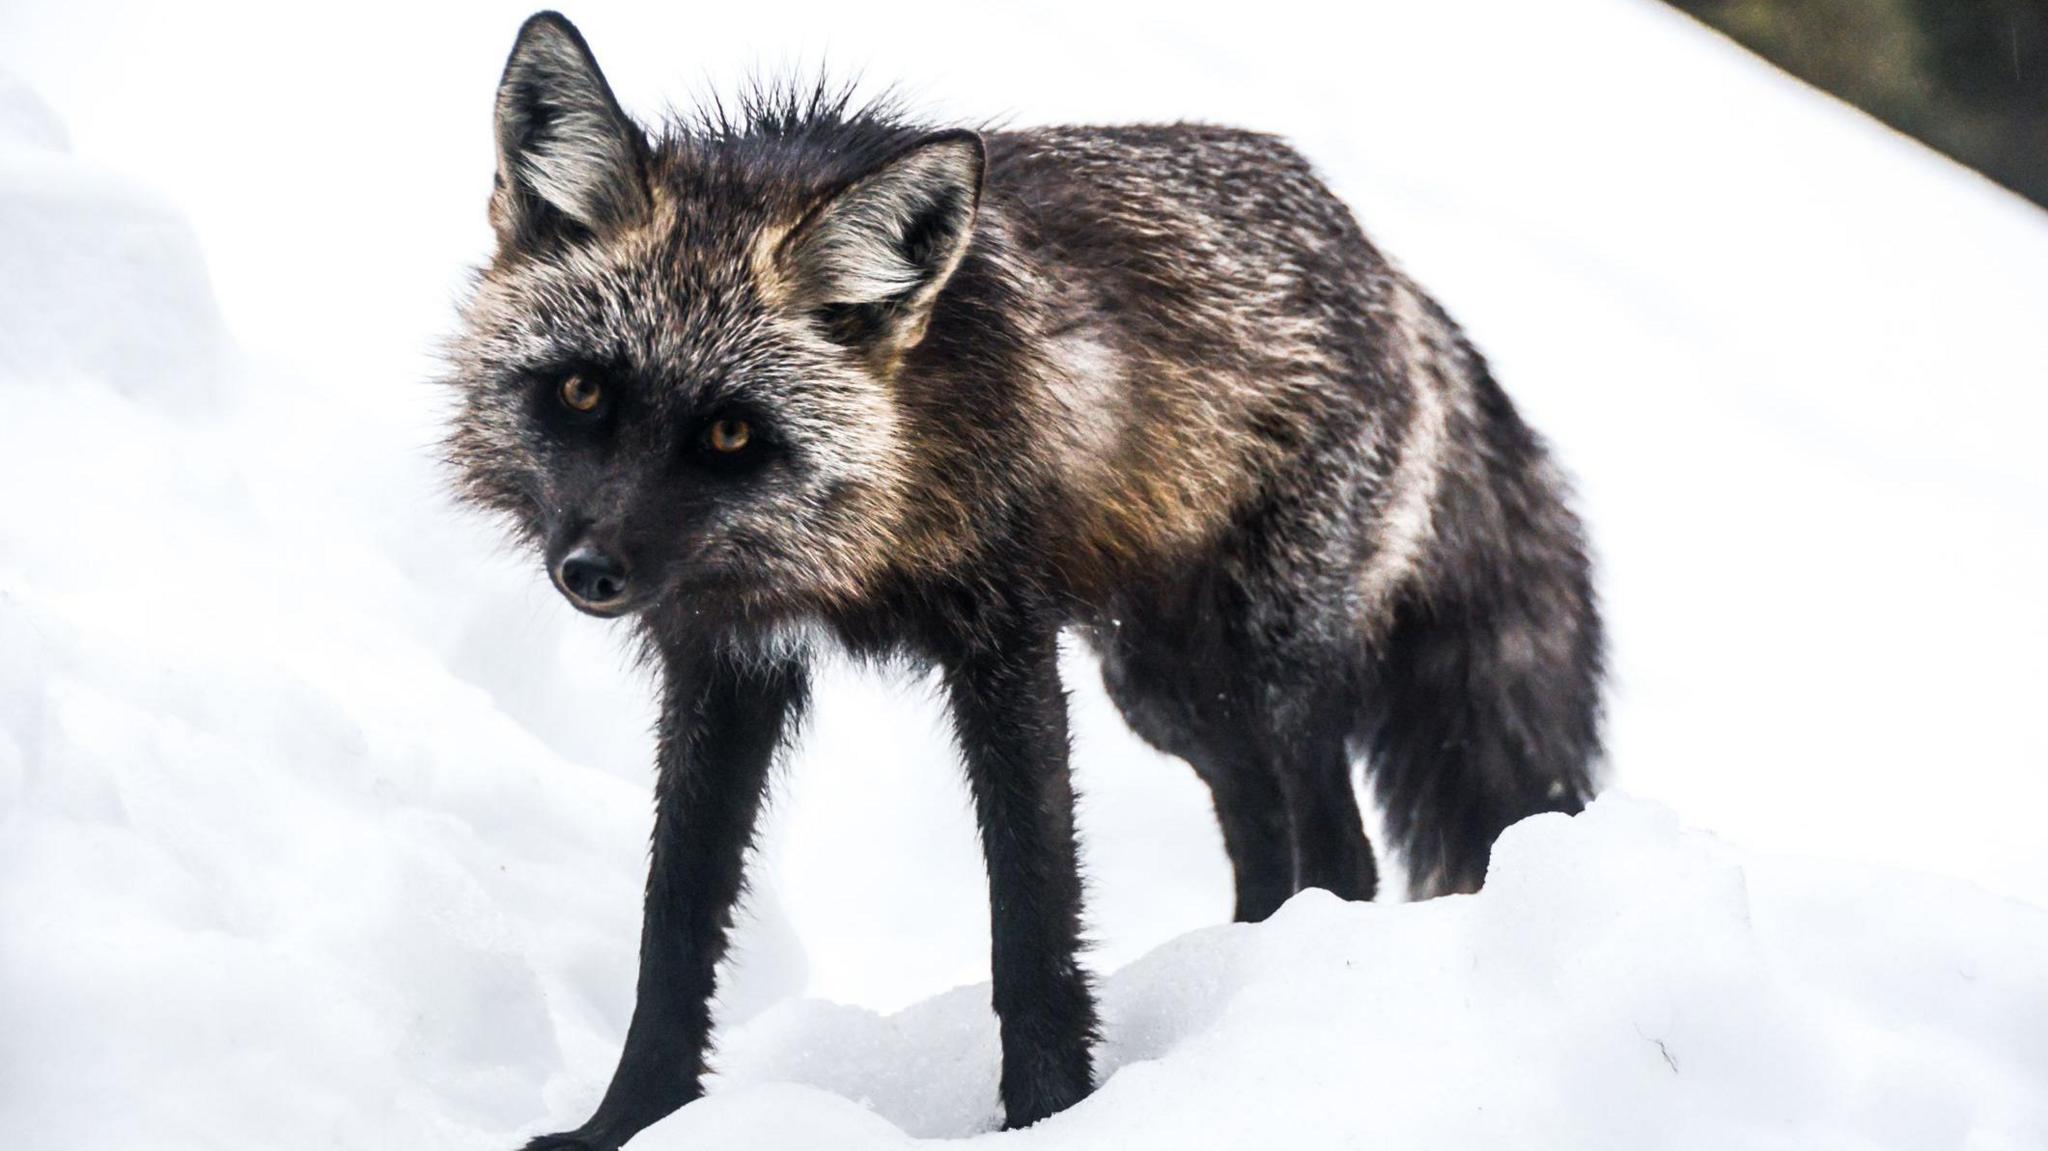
{"x": 1620, "y": 982}
{"x": 259, "y": 846}
{"x": 97, "y": 278}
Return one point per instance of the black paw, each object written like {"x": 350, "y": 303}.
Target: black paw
{"x": 1025, "y": 1105}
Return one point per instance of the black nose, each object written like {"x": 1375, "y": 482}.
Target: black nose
{"x": 597, "y": 578}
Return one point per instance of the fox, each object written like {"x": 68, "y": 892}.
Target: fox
{"x": 801, "y": 373}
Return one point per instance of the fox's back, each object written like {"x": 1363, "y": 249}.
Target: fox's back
{"x": 1214, "y": 323}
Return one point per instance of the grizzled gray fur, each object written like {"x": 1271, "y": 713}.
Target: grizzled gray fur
{"x": 809, "y": 373}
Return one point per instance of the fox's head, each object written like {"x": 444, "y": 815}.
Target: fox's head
{"x": 676, "y": 372}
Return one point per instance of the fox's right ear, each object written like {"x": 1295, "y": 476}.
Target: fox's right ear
{"x": 568, "y": 156}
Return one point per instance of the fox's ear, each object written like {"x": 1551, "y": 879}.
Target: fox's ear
{"x": 568, "y": 156}
{"x": 873, "y": 257}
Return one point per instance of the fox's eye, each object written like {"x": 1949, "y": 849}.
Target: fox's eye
{"x": 730, "y": 435}
{"x": 581, "y": 395}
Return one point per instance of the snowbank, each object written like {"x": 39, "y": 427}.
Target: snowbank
{"x": 1620, "y": 982}
{"x": 97, "y": 279}
{"x": 260, "y": 849}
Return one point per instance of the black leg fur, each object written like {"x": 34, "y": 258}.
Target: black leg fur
{"x": 721, "y": 724}
{"x": 1169, "y": 668}
{"x": 1256, "y": 833}
{"x": 1263, "y": 713}
{"x": 1330, "y": 848}
{"x": 1010, "y": 714}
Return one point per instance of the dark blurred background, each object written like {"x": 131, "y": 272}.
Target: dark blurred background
{"x": 1967, "y": 77}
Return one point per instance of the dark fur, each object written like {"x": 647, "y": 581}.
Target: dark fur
{"x": 1148, "y": 383}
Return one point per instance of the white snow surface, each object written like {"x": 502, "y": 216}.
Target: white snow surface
{"x": 322, "y": 821}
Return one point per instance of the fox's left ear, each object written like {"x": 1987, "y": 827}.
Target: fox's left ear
{"x": 568, "y": 156}
{"x": 873, "y": 257}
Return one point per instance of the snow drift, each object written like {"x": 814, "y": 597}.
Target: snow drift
{"x": 322, "y": 823}
{"x": 1620, "y": 982}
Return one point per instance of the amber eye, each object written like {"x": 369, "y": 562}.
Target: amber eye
{"x": 730, "y": 435}
{"x": 581, "y": 395}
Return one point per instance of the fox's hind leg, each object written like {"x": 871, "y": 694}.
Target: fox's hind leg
{"x": 1305, "y": 728}
{"x": 1185, "y": 701}
{"x": 1263, "y": 710}
{"x": 1252, "y": 814}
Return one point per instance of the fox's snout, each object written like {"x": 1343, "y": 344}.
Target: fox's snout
{"x": 596, "y": 580}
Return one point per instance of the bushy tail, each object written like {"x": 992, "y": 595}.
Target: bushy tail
{"x": 1485, "y": 705}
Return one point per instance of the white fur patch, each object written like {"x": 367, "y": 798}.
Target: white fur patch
{"x": 1407, "y": 524}
{"x": 1087, "y": 388}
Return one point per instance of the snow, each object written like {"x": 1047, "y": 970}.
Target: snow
{"x": 322, "y": 821}
{"x": 1730, "y": 1001}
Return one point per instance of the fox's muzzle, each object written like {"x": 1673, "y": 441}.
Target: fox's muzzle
{"x": 595, "y": 580}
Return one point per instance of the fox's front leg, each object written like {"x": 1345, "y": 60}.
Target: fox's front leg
{"x": 721, "y": 722}
{"x": 1011, "y": 717}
